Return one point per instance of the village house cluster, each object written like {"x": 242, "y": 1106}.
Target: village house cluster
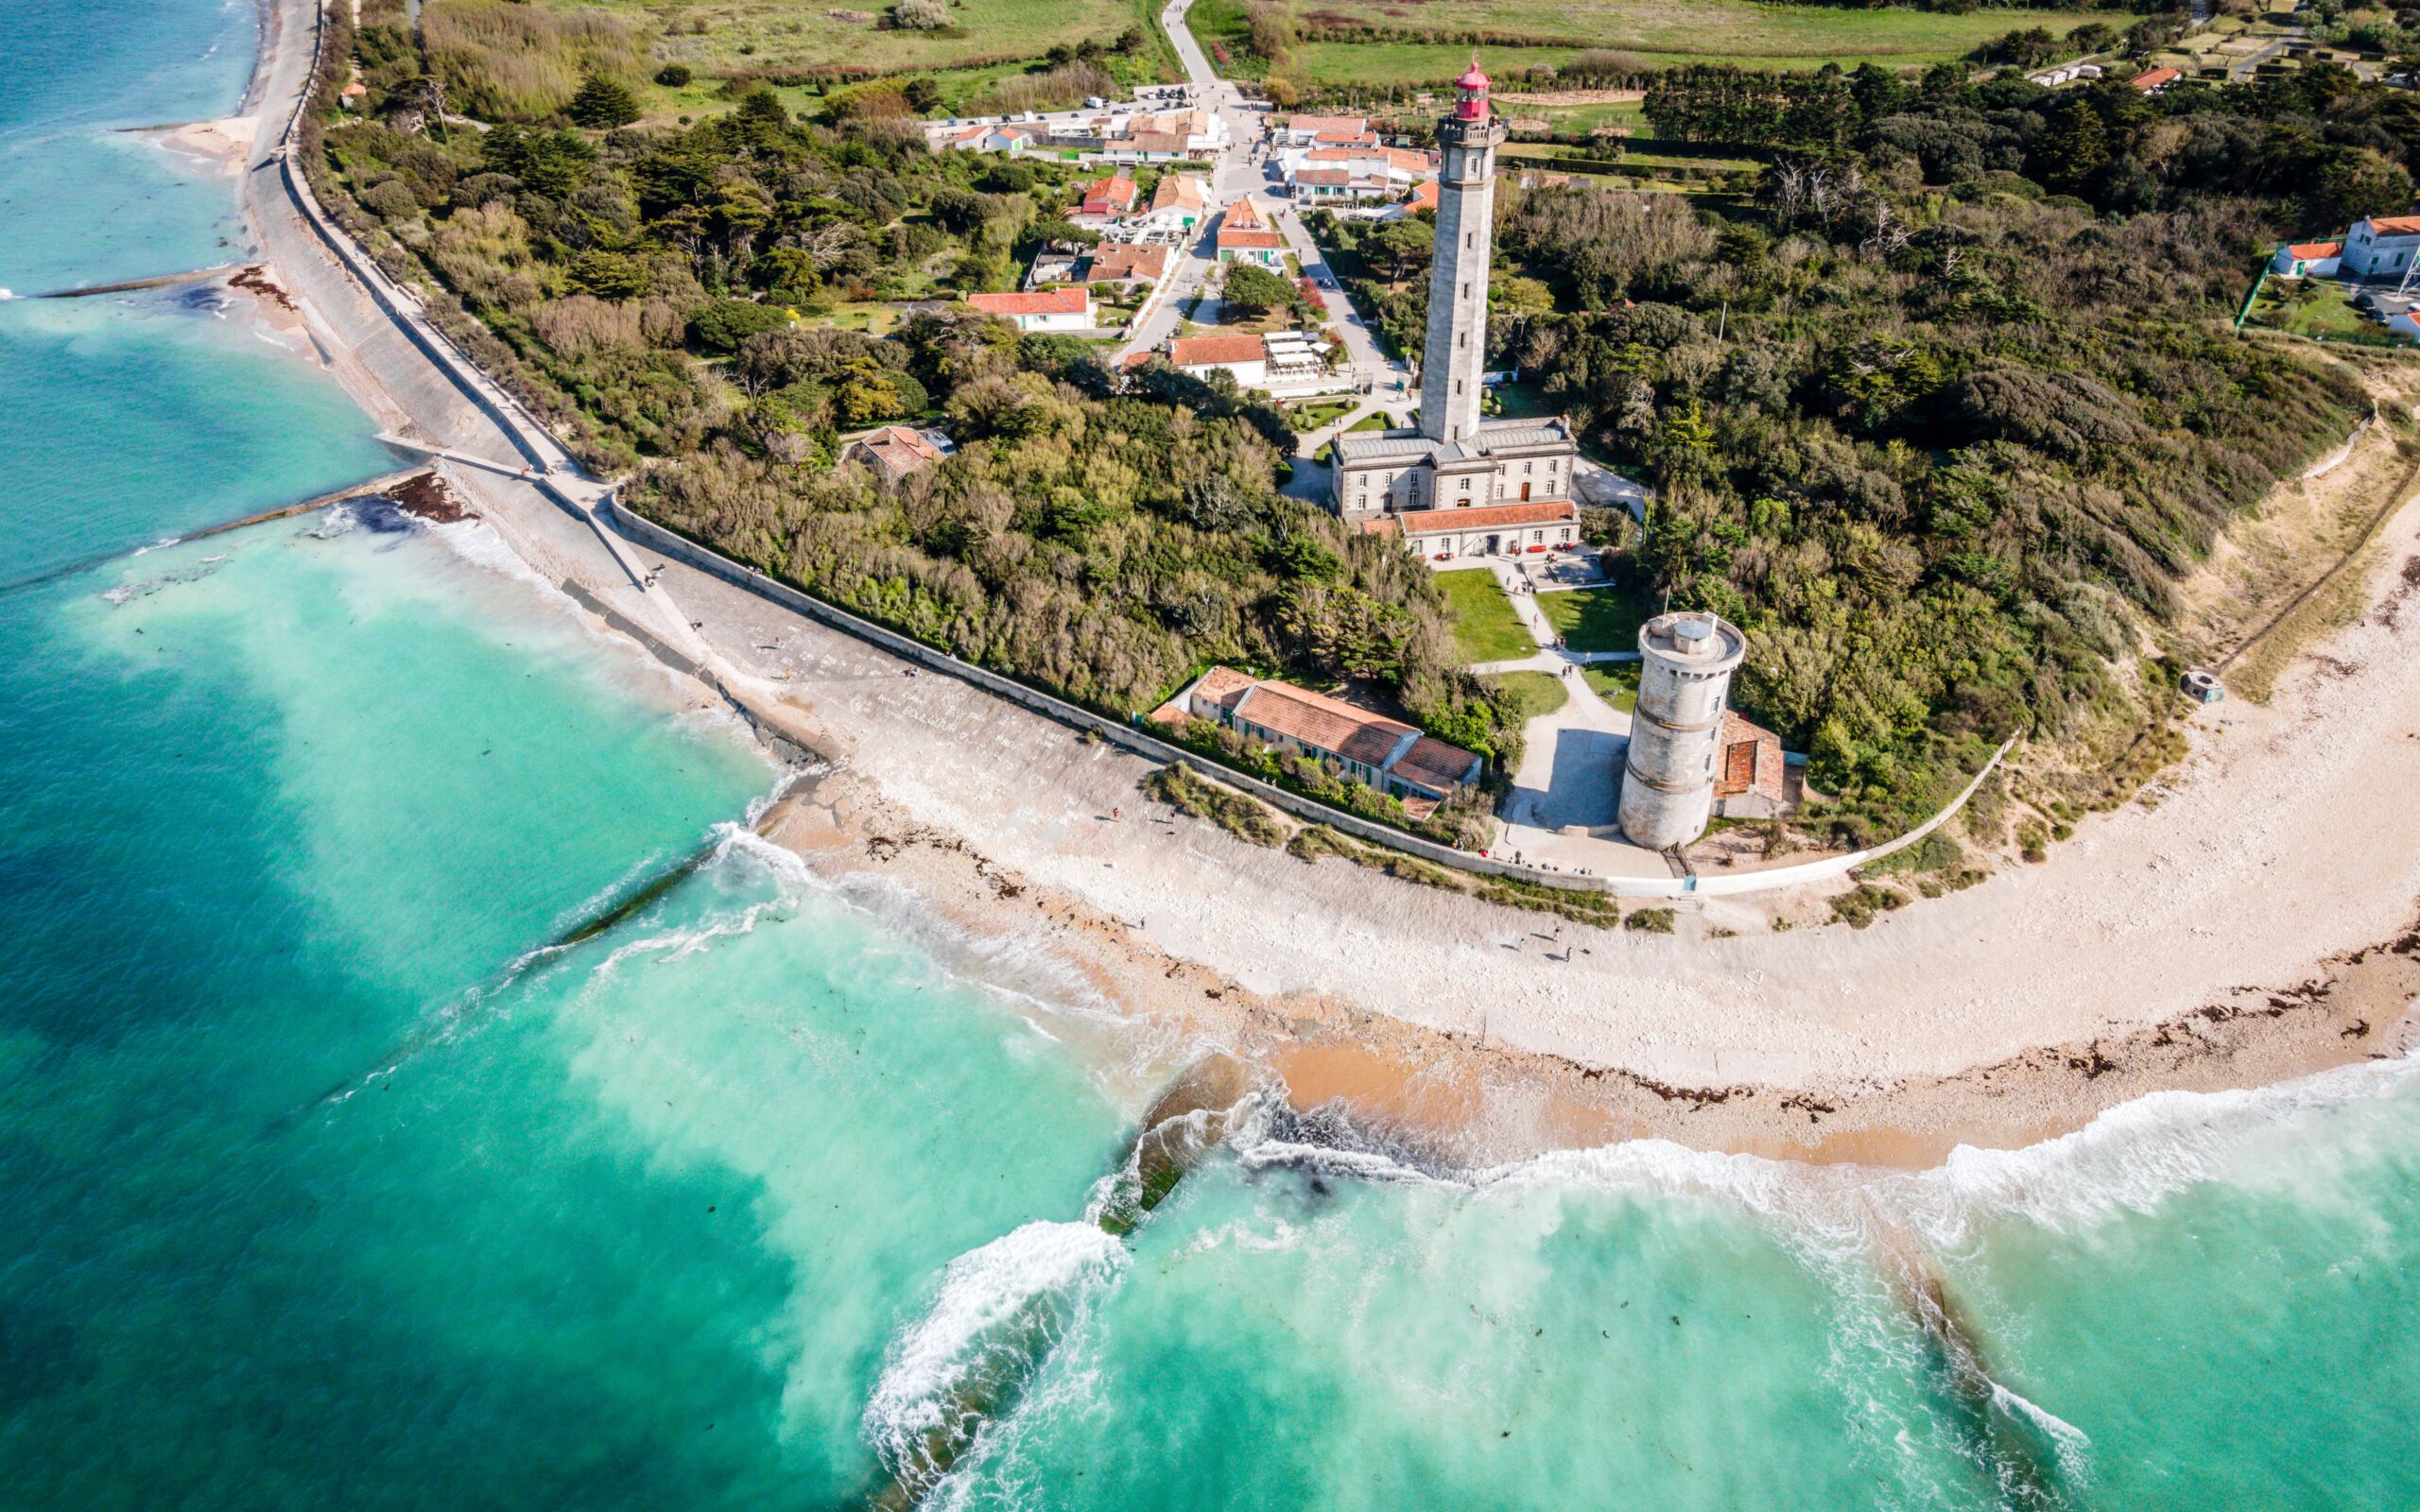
{"x": 1124, "y": 133}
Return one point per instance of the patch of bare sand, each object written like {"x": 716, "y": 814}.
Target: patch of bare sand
{"x": 223, "y": 145}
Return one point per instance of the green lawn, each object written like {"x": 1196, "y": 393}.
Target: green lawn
{"x": 1733, "y": 28}
{"x": 1627, "y": 116}
{"x": 2311, "y": 307}
{"x": 1310, "y": 416}
{"x": 1665, "y": 31}
{"x": 1536, "y": 694}
{"x": 1485, "y": 628}
{"x": 1597, "y": 619}
{"x": 1617, "y": 682}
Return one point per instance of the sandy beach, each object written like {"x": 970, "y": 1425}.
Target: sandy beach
{"x": 2255, "y": 917}
{"x": 221, "y": 144}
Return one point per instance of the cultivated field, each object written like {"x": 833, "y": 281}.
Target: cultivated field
{"x": 1660, "y": 31}
{"x": 757, "y": 36}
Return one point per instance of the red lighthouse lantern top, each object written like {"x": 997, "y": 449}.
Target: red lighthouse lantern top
{"x": 1473, "y": 104}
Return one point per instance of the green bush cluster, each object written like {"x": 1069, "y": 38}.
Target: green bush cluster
{"x": 1939, "y": 434}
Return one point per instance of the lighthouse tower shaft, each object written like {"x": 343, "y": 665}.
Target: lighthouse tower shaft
{"x": 1455, "y": 356}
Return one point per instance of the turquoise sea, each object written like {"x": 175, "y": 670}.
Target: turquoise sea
{"x": 324, "y": 1184}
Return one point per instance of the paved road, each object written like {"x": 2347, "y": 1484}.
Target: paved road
{"x": 1245, "y": 172}
{"x": 1232, "y": 176}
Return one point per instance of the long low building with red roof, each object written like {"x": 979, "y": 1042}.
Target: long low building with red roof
{"x": 1386, "y": 755}
{"x": 2307, "y": 259}
{"x": 1060, "y": 309}
{"x": 1483, "y": 529}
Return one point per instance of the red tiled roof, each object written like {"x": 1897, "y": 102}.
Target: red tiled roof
{"x": 1129, "y": 260}
{"x": 2395, "y": 225}
{"x": 1251, "y": 238}
{"x": 1223, "y": 686}
{"x": 1114, "y": 190}
{"x": 1487, "y": 517}
{"x": 1073, "y": 299}
{"x": 2312, "y": 252}
{"x": 1325, "y": 123}
{"x": 1752, "y": 759}
{"x": 1323, "y": 176}
{"x": 1178, "y": 191}
{"x": 1317, "y": 720}
{"x": 1242, "y": 215}
{"x": 900, "y": 449}
{"x": 2154, "y": 78}
{"x": 1194, "y": 352}
{"x": 1431, "y": 763}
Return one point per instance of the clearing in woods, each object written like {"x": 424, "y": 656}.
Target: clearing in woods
{"x": 1660, "y": 31}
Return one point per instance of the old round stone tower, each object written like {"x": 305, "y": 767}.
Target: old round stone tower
{"x": 1676, "y": 736}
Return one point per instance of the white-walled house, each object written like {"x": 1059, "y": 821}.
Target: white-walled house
{"x": 2306, "y": 259}
{"x": 2380, "y": 247}
{"x": 1246, "y": 356}
{"x": 1244, "y": 236}
{"x": 1060, "y": 309}
{"x": 1179, "y": 202}
{"x": 2064, "y": 74}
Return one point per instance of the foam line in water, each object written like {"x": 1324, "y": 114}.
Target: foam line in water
{"x": 2133, "y": 1157}
{"x": 999, "y": 1313}
{"x": 728, "y": 843}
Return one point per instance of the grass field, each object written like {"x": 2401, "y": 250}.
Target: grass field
{"x": 735, "y": 36}
{"x": 1660, "y": 31}
{"x": 1597, "y": 619}
{"x": 1536, "y": 694}
{"x": 1485, "y": 628}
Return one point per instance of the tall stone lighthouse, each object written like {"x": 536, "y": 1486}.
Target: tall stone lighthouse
{"x": 1676, "y": 733}
{"x": 1455, "y": 355}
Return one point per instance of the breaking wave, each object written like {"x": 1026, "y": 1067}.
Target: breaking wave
{"x": 998, "y": 1314}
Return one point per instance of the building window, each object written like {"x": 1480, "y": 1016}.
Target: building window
{"x": 1526, "y": 466}
{"x": 1467, "y": 485}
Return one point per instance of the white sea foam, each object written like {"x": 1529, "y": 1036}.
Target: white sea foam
{"x": 2139, "y": 1154}
{"x": 999, "y": 1312}
{"x": 339, "y": 519}
{"x": 2069, "y": 1444}
{"x": 143, "y": 588}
